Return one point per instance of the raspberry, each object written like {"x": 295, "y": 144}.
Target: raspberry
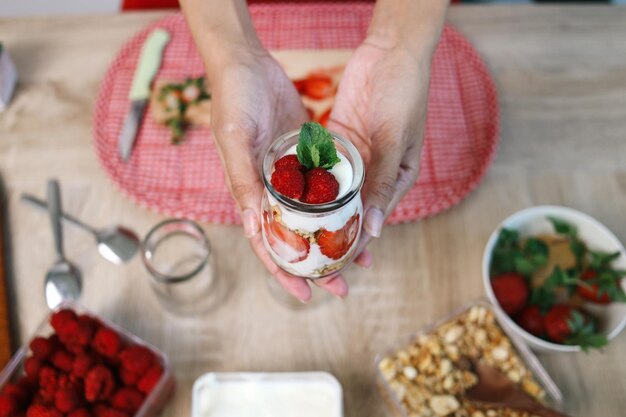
{"x": 101, "y": 410}
{"x": 63, "y": 360}
{"x": 82, "y": 364}
{"x": 99, "y": 384}
{"x": 79, "y": 412}
{"x": 61, "y": 319}
{"x": 150, "y": 379}
{"x": 289, "y": 161}
{"x": 127, "y": 399}
{"x": 106, "y": 342}
{"x": 8, "y": 406}
{"x": 20, "y": 391}
{"x": 321, "y": 186}
{"x": 66, "y": 400}
{"x": 137, "y": 359}
{"x": 42, "y": 411}
{"x": 129, "y": 378}
{"x": 41, "y": 347}
{"x": 32, "y": 366}
{"x": 111, "y": 412}
{"x": 48, "y": 379}
{"x": 289, "y": 182}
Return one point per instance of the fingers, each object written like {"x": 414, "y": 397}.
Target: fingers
{"x": 336, "y": 285}
{"x": 296, "y": 286}
{"x": 380, "y": 188}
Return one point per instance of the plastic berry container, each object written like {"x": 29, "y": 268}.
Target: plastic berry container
{"x": 153, "y": 402}
{"x": 396, "y": 387}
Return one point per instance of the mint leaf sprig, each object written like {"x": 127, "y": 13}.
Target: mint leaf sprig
{"x": 316, "y": 147}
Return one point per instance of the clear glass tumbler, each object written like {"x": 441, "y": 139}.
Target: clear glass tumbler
{"x": 313, "y": 240}
{"x": 178, "y": 256}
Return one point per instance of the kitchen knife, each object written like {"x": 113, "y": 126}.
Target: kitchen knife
{"x": 149, "y": 63}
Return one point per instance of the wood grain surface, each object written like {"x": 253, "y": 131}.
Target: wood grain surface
{"x": 561, "y": 75}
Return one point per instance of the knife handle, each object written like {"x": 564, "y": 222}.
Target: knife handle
{"x": 149, "y": 63}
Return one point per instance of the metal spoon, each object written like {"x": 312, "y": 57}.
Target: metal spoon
{"x": 63, "y": 281}
{"x": 116, "y": 244}
{"x": 495, "y": 390}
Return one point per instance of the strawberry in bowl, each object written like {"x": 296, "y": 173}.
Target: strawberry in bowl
{"x": 557, "y": 276}
{"x": 312, "y": 209}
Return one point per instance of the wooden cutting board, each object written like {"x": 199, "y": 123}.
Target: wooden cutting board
{"x": 5, "y": 322}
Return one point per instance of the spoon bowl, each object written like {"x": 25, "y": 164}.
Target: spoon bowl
{"x": 117, "y": 244}
{"x": 495, "y": 390}
{"x": 63, "y": 282}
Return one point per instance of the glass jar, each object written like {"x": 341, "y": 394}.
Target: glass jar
{"x": 313, "y": 240}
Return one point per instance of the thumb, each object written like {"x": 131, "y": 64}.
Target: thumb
{"x": 379, "y": 188}
{"x": 242, "y": 177}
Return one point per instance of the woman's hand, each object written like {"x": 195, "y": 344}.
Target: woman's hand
{"x": 381, "y": 107}
{"x": 253, "y": 103}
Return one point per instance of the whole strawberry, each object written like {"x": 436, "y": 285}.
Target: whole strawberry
{"x": 321, "y": 187}
{"x": 531, "y": 320}
{"x": 511, "y": 291}
{"x": 289, "y": 161}
{"x": 288, "y": 181}
{"x": 570, "y": 326}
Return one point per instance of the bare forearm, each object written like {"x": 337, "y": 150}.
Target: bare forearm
{"x": 412, "y": 24}
{"x": 221, "y": 29}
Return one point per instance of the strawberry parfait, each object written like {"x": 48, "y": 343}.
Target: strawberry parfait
{"x": 312, "y": 209}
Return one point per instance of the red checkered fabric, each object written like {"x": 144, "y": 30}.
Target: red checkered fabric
{"x": 187, "y": 180}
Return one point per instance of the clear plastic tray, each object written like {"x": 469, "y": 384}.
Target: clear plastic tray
{"x": 255, "y": 388}
{"x": 154, "y": 402}
{"x": 553, "y": 398}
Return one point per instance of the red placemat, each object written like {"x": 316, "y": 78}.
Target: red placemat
{"x": 462, "y": 126}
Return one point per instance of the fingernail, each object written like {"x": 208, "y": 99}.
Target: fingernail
{"x": 250, "y": 222}
{"x": 374, "y": 219}
{"x": 304, "y": 301}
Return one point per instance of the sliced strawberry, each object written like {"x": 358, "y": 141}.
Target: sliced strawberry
{"x": 299, "y": 84}
{"x": 286, "y": 244}
{"x": 591, "y": 290}
{"x": 323, "y": 119}
{"x": 318, "y": 87}
{"x": 336, "y": 244}
{"x": 511, "y": 291}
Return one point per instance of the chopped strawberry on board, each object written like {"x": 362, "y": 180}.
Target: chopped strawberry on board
{"x": 335, "y": 244}
{"x": 511, "y": 291}
{"x": 287, "y": 244}
{"x": 321, "y": 186}
{"x": 323, "y": 119}
{"x": 318, "y": 86}
{"x": 299, "y": 85}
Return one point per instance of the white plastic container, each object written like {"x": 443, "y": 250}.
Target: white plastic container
{"x": 249, "y": 394}
{"x": 8, "y": 78}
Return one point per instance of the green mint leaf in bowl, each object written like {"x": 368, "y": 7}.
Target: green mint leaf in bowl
{"x": 316, "y": 147}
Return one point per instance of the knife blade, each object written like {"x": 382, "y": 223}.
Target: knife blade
{"x": 149, "y": 63}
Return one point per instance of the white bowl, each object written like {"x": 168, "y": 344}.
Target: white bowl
{"x": 533, "y": 221}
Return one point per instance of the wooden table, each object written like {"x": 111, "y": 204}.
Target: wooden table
{"x": 561, "y": 73}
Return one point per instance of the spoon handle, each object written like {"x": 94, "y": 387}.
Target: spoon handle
{"x": 40, "y": 204}
{"x": 55, "y": 209}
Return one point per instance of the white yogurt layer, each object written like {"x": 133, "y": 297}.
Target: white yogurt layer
{"x": 266, "y": 398}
